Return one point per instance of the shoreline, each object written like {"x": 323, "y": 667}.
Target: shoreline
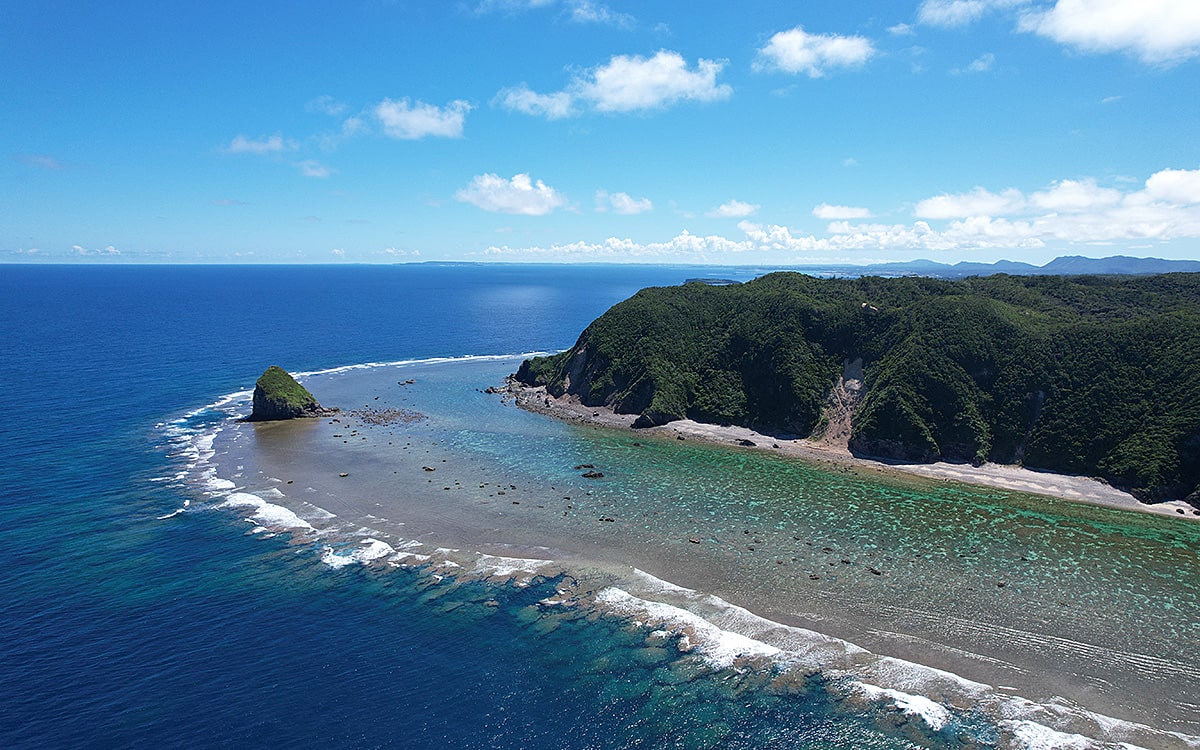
{"x": 989, "y": 623}
{"x": 998, "y": 476}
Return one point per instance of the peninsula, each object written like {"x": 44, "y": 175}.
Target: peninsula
{"x": 1088, "y": 375}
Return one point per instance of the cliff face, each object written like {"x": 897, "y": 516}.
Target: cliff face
{"x": 1086, "y": 375}
{"x": 277, "y": 395}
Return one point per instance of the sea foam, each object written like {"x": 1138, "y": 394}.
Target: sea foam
{"x": 369, "y": 551}
{"x": 267, "y": 514}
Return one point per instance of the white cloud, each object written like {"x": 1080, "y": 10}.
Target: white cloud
{"x": 313, "y": 168}
{"x": 1075, "y": 196}
{"x": 902, "y": 29}
{"x": 683, "y": 244}
{"x": 578, "y": 11}
{"x": 828, "y": 212}
{"x": 339, "y": 252}
{"x": 797, "y": 51}
{"x": 415, "y": 121}
{"x": 733, "y": 209}
{"x": 584, "y": 11}
{"x": 630, "y": 82}
{"x": 950, "y": 13}
{"x": 1159, "y": 32}
{"x": 1179, "y": 186}
{"x": 520, "y": 195}
{"x": 981, "y": 64}
{"x": 81, "y": 250}
{"x": 1067, "y": 212}
{"x": 977, "y": 202}
{"x": 622, "y": 203}
{"x": 626, "y": 83}
{"x": 522, "y": 99}
{"x": 325, "y": 104}
{"x": 274, "y": 144}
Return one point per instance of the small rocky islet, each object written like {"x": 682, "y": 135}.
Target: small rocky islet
{"x": 278, "y": 396}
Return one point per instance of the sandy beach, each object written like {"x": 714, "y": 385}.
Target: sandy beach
{"x": 1016, "y": 478}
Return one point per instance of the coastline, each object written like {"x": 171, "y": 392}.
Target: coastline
{"x": 999, "y": 476}
{"x": 962, "y": 600}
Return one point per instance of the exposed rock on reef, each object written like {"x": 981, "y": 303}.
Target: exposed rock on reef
{"x": 277, "y": 395}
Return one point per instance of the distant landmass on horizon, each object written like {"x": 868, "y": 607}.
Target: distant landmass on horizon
{"x": 1066, "y": 265}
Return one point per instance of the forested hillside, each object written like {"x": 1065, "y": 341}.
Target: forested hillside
{"x": 1086, "y": 374}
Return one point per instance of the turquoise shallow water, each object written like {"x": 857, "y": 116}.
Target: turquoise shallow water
{"x": 1058, "y": 603}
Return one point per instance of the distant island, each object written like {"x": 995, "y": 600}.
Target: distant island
{"x": 1066, "y": 265}
{"x": 1092, "y": 375}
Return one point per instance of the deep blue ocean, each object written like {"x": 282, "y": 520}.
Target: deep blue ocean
{"x": 127, "y": 623}
{"x": 121, "y": 629}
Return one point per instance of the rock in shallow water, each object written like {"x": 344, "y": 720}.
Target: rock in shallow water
{"x": 277, "y": 395}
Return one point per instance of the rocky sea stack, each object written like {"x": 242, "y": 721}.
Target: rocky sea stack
{"x": 277, "y": 395}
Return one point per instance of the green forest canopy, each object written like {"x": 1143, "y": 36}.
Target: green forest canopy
{"x": 1096, "y": 375}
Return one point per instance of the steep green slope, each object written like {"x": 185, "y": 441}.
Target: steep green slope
{"x": 1093, "y": 375}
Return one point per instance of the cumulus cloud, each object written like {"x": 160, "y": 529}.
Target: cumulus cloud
{"x": 733, "y": 209}
{"x": 683, "y": 244}
{"x": 631, "y": 82}
{"x": 797, "y": 51}
{"x": 393, "y": 252}
{"x": 1075, "y": 196}
{"x": 977, "y": 202}
{"x": 108, "y": 250}
{"x": 1179, "y": 186}
{"x": 902, "y": 29}
{"x": 406, "y": 121}
{"x": 1159, "y": 32}
{"x": 339, "y": 252}
{"x": 520, "y": 195}
{"x": 274, "y": 144}
{"x": 626, "y": 83}
{"x": 622, "y": 203}
{"x": 828, "y": 212}
{"x": 1067, "y": 212}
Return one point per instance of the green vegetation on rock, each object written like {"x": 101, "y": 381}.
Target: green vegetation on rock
{"x": 1088, "y": 375}
{"x": 277, "y": 395}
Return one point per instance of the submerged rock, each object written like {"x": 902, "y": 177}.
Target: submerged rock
{"x": 277, "y": 395}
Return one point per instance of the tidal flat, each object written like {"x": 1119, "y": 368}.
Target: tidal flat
{"x": 1081, "y": 617}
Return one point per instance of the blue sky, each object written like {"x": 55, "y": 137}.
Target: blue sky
{"x": 589, "y": 130}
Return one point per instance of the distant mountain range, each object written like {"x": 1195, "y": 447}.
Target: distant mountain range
{"x": 1067, "y": 265}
